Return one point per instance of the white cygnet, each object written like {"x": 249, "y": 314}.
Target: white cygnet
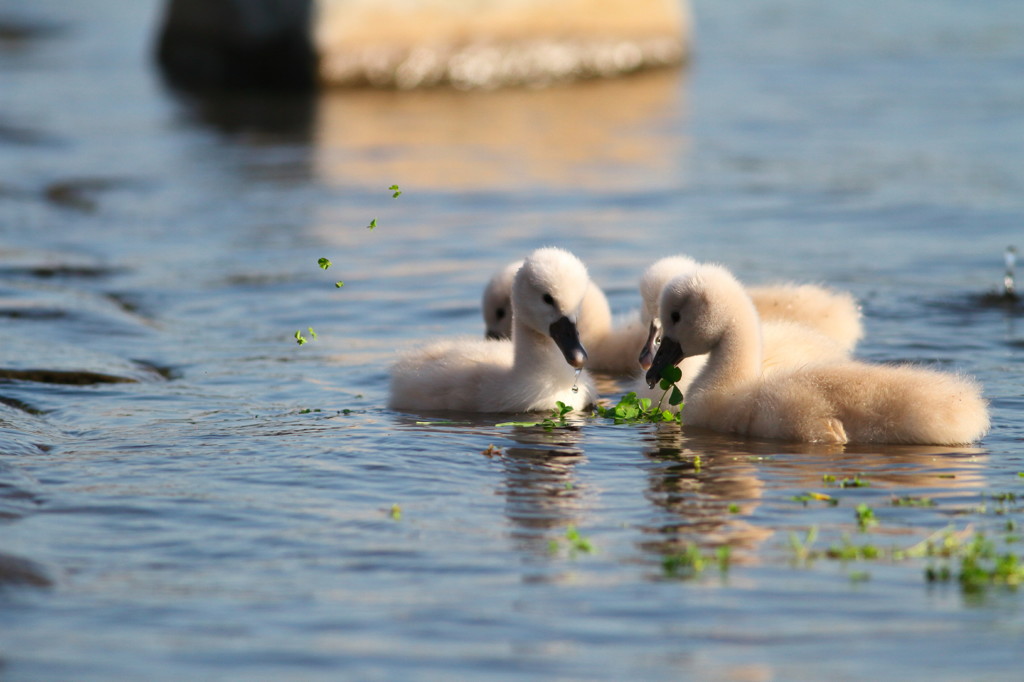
{"x": 530, "y": 372}
{"x": 834, "y": 314}
{"x": 786, "y": 343}
{"x": 845, "y": 401}
{"x": 611, "y": 345}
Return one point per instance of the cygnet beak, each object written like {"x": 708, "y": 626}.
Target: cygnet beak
{"x": 650, "y": 345}
{"x": 670, "y": 354}
{"x": 493, "y": 335}
{"x": 567, "y": 338}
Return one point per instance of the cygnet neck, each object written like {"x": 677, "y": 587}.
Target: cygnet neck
{"x": 737, "y": 356}
{"x": 534, "y": 350}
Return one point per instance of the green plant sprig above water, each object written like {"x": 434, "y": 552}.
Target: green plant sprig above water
{"x": 633, "y": 409}
{"x": 300, "y": 339}
{"x": 691, "y": 562}
{"x": 574, "y": 541}
{"x": 325, "y": 264}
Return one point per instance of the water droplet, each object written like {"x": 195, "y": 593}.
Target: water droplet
{"x": 575, "y": 388}
{"x": 1009, "y": 285}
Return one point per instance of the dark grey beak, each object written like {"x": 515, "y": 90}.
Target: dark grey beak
{"x": 650, "y": 345}
{"x": 670, "y": 353}
{"x": 567, "y": 338}
{"x": 494, "y": 336}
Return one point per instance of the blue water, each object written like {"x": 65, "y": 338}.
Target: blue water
{"x": 185, "y": 492}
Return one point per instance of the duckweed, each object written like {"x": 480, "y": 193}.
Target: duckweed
{"x": 691, "y": 562}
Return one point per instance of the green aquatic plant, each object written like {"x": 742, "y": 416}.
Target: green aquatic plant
{"x": 801, "y": 547}
{"x": 865, "y": 516}
{"x": 910, "y": 501}
{"x": 396, "y": 512}
{"x": 324, "y": 263}
{"x": 555, "y": 420}
{"x": 397, "y": 192}
{"x": 578, "y": 543}
{"x": 632, "y": 409}
{"x": 847, "y": 551}
{"x": 692, "y": 562}
{"x": 373, "y": 224}
{"x": 981, "y": 566}
{"x": 855, "y": 482}
{"x": 811, "y": 496}
{"x": 966, "y": 557}
{"x": 300, "y": 339}
{"x": 859, "y": 577}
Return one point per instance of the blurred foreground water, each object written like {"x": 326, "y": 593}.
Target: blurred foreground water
{"x": 186, "y": 492}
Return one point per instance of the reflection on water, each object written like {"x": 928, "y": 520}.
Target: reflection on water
{"x": 238, "y": 500}
{"x": 710, "y": 486}
{"x": 254, "y": 117}
{"x": 542, "y": 493}
{"x": 706, "y": 495}
{"x": 589, "y": 135}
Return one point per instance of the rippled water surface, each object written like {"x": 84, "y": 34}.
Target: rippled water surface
{"x": 187, "y": 493}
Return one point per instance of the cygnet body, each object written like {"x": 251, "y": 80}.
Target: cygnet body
{"x": 708, "y": 312}
{"x": 611, "y": 345}
{"x": 834, "y": 314}
{"x": 530, "y": 372}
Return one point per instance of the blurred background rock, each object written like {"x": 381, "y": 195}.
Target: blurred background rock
{"x": 468, "y": 44}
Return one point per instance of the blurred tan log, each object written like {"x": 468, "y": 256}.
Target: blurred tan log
{"x": 417, "y": 43}
{"x": 491, "y": 43}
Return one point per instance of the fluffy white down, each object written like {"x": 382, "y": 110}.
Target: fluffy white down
{"x": 788, "y": 340}
{"x": 612, "y": 345}
{"x": 842, "y": 401}
{"x": 527, "y": 373}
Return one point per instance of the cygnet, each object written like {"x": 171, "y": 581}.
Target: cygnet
{"x": 709, "y": 312}
{"x": 539, "y": 366}
{"x": 611, "y": 345}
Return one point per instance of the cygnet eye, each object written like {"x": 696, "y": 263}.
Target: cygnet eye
{"x": 675, "y": 316}
{"x": 500, "y": 313}
{"x": 548, "y": 299}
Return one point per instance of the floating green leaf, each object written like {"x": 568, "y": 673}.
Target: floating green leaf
{"x": 556, "y": 420}
{"x": 324, "y": 263}
{"x": 397, "y": 192}
{"x": 578, "y": 543}
{"x": 865, "y": 517}
{"x": 373, "y": 224}
{"x": 634, "y": 409}
{"x": 299, "y": 338}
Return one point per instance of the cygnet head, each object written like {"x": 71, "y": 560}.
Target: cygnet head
{"x": 696, "y": 311}
{"x": 652, "y": 283}
{"x": 546, "y": 294}
{"x": 497, "y": 302}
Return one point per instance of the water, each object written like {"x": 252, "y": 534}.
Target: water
{"x": 187, "y": 492}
